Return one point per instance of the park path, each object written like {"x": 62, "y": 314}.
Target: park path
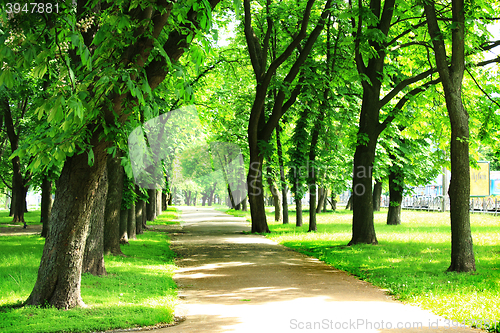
{"x": 234, "y": 282}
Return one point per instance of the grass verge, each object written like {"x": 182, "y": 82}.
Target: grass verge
{"x": 138, "y": 290}
{"x": 167, "y": 217}
{"x": 31, "y": 218}
{"x": 410, "y": 260}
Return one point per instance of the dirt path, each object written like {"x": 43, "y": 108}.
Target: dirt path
{"x": 232, "y": 282}
{"x": 17, "y": 229}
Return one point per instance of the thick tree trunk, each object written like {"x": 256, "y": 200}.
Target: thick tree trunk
{"x": 59, "y": 275}
{"x": 140, "y": 208}
{"x": 150, "y": 205}
{"x": 93, "y": 258}
{"x": 377, "y": 193}
{"x": 18, "y": 193}
{"x": 298, "y": 211}
{"x": 396, "y": 179}
{"x": 132, "y": 223}
{"x": 158, "y": 202}
{"x": 363, "y": 229}
{"x": 164, "y": 201}
{"x": 256, "y": 194}
{"x": 113, "y": 206}
{"x": 46, "y": 205}
{"x": 123, "y": 227}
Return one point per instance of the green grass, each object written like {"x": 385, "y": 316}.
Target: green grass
{"x": 410, "y": 260}
{"x": 138, "y": 290}
{"x": 166, "y": 217}
{"x": 31, "y": 218}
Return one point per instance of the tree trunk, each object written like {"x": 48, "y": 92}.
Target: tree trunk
{"x": 278, "y": 214}
{"x": 396, "y": 179}
{"x": 363, "y": 229}
{"x": 93, "y": 258}
{"x": 377, "y": 193}
{"x": 18, "y": 192}
{"x": 158, "y": 202}
{"x": 132, "y": 223}
{"x": 321, "y": 200}
{"x": 46, "y": 205}
{"x": 244, "y": 204}
{"x": 150, "y": 205}
{"x": 123, "y": 227}
{"x": 59, "y": 275}
{"x": 349, "y": 203}
{"x": 462, "y": 254}
{"x": 298, "y": 211}
{"x": 113, "y": 206}
{"x": 164, "y": 201}
{"x": 284, "y": 189}
{"x": 256, "y": 194}
{"x": 140, "y": 207}
{"x": 333, "y": 201}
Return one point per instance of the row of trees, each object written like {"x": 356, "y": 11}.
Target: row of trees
{"x": 314, "y": 94}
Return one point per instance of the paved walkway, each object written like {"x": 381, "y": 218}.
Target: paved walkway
{"x": 232, "y": 282}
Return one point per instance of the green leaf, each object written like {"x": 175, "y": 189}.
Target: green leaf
{"x": 7, "y": 79}
{"x": 91, "y": 157}
{"x": 40, "y": 70}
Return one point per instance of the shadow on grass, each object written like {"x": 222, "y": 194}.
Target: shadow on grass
{"x": 138, "y": 290}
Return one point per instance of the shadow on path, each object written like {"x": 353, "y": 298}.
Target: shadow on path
{"x": 233, "y": 282}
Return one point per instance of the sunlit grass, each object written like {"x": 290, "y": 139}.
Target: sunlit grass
{"x": 31, "y": 218}
{"x": 138, "y": 290}
{"x": 410, "y": 260}
{"x": 166, "y": 217}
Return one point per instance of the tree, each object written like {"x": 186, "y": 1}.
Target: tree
{"x": 260, "y": 128}
{"x": 131, "y": 59}
{"x": 462, "y": 255}
{"x": 113, "y": 205}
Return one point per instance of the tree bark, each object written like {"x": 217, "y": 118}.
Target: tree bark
{"x": 93, "y": 258}
{"x": 377, "y": 193}
{"x": 123, "y": 227}
{"x": 349, "y": 203}
{"x": 150, "y": 205}
{"x": 284, "y": 189}
{"x": 59, "y": 275}
{"x": 113, "y": 206}
{"x": 322, "y": 193}
{"x": 132, "y": 223}
{"x": 278, "y": 213}
{"x": 18, "y": 203}
{"x": 462, "y": 254}
{"x": 396, "y": 179}
{"x": 298, "y": 212}
{"x": 158, "y": 202}
{"x": 140, "y": 214}
{"x": 46, "y": 205}
{"x": 164, "y": 201}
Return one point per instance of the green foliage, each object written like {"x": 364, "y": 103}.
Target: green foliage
{"x": 138, "y": 290}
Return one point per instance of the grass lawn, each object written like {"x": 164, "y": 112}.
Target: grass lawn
{"x": 410, "y": 260}
{"x": 138, "y": 290}
{"x": 32, "y": 218}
